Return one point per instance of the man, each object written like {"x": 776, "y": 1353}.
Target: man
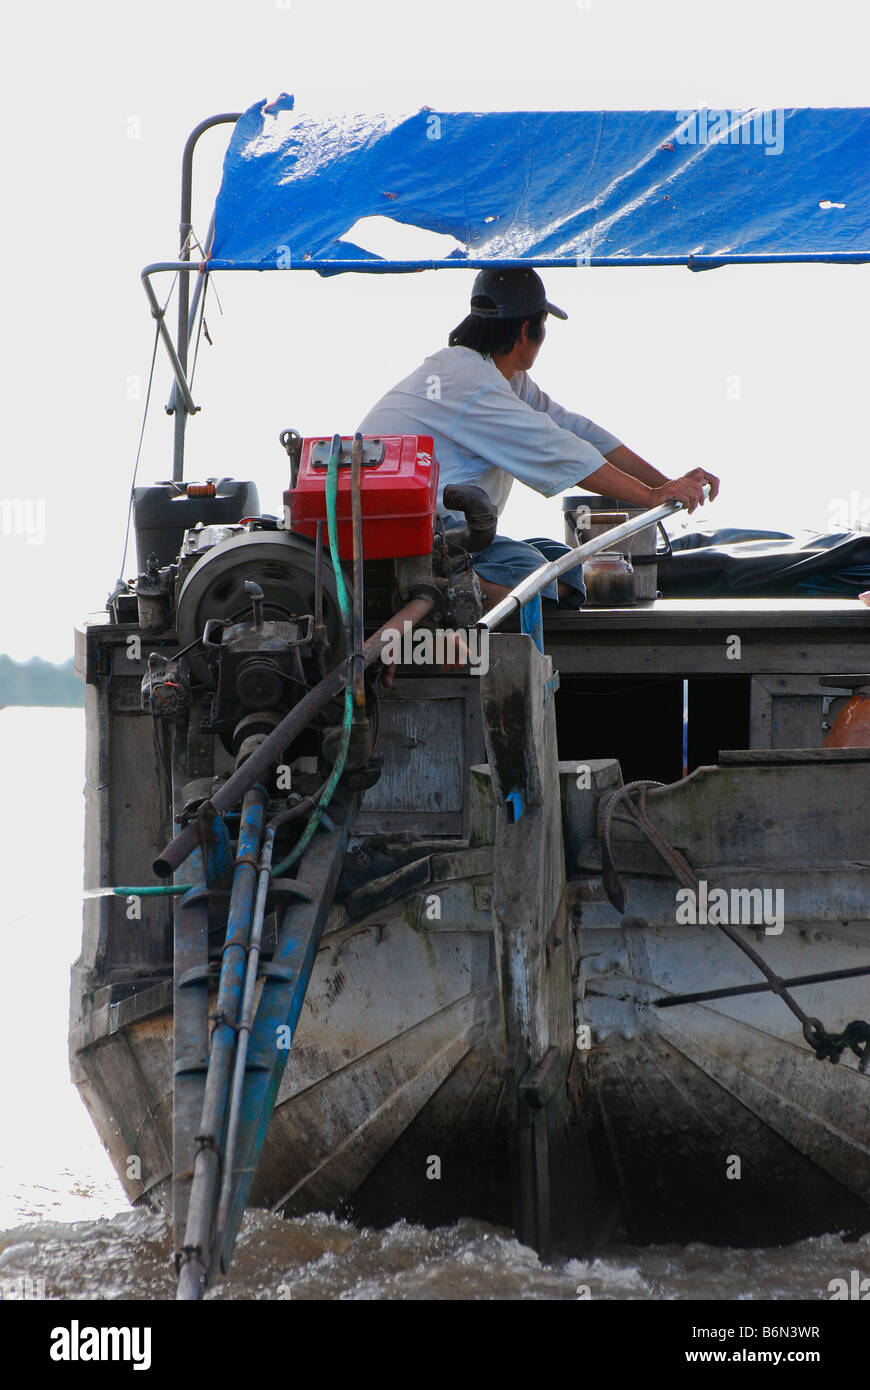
{"x": 491, "y": 423}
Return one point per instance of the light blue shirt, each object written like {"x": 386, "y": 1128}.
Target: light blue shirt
{"x": 488, "y": 430}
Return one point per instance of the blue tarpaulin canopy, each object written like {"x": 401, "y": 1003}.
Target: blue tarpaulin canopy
{"x": 547, "y": 188}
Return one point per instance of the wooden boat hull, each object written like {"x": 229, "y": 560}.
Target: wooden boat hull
{"x": 396, "y": 1061}
{"x": 402, "y": 1096}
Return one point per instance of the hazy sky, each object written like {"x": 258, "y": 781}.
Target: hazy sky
{"x": 99, "y": 99}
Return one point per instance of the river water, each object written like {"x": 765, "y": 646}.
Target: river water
{"x": 63, "y": 1215}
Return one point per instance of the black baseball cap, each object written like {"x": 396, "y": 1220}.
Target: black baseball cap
{"x": 515, "y": 293}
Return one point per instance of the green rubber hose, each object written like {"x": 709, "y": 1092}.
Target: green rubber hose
{"x": 344, "y": 605}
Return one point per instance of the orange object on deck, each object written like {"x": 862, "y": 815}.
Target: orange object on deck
{"x": 852, "y": 725}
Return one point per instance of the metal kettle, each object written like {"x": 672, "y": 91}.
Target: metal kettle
{"x": 609, "y": 580}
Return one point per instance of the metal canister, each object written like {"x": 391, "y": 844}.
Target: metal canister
{"x": 587, "y": 515}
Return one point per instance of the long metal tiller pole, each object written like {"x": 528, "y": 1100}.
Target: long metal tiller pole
{"x": 196, "y": 1253}
{"x": 534, "y": 583}
{"x": 243, "y": 1034}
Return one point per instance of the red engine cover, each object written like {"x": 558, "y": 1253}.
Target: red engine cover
{"x": 399, "y": 493}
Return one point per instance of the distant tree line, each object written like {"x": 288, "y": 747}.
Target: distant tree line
{"x": 38, "y": 682}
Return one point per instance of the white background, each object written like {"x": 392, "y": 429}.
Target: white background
{"x": 647, "y": 353}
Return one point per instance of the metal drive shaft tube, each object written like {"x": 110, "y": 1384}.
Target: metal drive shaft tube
{"x": 196, "y": 1252}
{"x": 244, "y": 1032}
{"x": 263, "y": 759}
{"x": 534, "y": 583}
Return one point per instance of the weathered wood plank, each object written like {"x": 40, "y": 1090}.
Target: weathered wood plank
{"x": 760, "y": 757}
{"x": 531, "y": 934}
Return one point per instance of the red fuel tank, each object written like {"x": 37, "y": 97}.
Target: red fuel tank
{"x": 399, "y": 493}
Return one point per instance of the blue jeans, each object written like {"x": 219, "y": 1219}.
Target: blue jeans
{"x": 506, "y": 562}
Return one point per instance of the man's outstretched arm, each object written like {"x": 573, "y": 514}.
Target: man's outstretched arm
{"x": 614, "y": 482}
{"x": 624, "y": 460}
{"x": 627, "y": 461}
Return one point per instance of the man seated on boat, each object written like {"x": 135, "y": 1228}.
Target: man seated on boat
{"x": 491, "y": 423}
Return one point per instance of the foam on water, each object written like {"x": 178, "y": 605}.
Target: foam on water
{"x": 318, "y": 1257}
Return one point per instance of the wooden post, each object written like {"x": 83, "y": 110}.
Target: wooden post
{"x": 532, "y": 938}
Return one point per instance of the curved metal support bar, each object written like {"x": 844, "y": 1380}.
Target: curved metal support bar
{"x": 223, "y": 118}
{"x": 185, "y": 227}
{"x": 158, "y": 313}
{"x": 534, "y": 583}
{"x": 160, "y": 267}
{"x": 198, "y": 291}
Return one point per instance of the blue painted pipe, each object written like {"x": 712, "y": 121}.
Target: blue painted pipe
{"x": 241, "y": 1056}
{"x": 278, "y": 1012}
{"x": 532, "y": 621}
{"x": 193, "y": 1274}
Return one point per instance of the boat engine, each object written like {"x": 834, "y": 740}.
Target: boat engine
{"x": 263, "y": 694}
{"x": 258, "y": 624}
{"x": 254, "y": 603}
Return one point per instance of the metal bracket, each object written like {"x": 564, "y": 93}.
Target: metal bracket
{"x": 198, "y": 975}
{"x": 190, "y": 1064}
{"x": 372, "y": 454}
{"x": 196, "y": 896}
{"x": 276, "y": 972}
{"x": 291, "y": 888}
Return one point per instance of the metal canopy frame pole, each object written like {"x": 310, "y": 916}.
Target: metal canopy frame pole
{"x": 198, "y": 291}
{"x": 159, "y": 314}
{"x": 380, "y": 264}
{"x": 184, "y": 229}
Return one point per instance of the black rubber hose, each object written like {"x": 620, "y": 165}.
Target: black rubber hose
{"x": 480, "y": 515}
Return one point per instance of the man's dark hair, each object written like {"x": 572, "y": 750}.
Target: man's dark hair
{"x": 494, "y": 336}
